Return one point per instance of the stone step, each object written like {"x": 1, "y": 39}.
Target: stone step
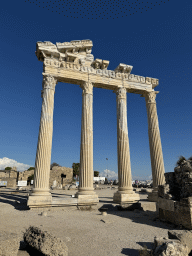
{"x": 148, "y": 206}
{"x": 71, "y": 201}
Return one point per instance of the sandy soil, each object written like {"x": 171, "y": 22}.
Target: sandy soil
{"x": 86, "y": 233}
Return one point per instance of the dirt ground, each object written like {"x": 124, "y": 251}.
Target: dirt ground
{"x": 86, "y": 233}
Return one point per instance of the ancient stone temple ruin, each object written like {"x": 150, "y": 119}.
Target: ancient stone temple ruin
{"x": 175, "y": 197}
{"x": 72, "y": 62}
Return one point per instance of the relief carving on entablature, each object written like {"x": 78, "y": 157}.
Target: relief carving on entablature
{"x": 106, "y": 72}
{"x": 91, "y": 70}
{"x": 142, "y": 79}
{"x": 99, "y": 72}
{"x": 153, "y": 81}
{"x": 111, "y": 73}
{"x": 78, "y": 54}
{"x": 84, "y": 69}
{"x": 118, "y": 75}
{"x": 100, "y": 64}
{"x": 77, "y": 51}
{"x": 148, "y": 80}
{"x": 123, "y": 68}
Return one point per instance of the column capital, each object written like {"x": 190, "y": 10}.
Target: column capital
{"x": 121, "y": 92}
{"x": 150, "y": 96}
{"x": 87, "y": 87}
{"x": 49, "y": 82}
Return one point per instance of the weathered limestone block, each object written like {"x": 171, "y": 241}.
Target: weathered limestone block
{"x": 163, "y": 191}
{"x": 169, "y": 247}
{"x": 184, "y": 236}
{"x": 44, "y": 242}
{"x": 9, "y": 244}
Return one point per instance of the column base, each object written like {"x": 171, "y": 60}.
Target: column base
{"x": 86, "y": 199}
{"x": 153, "y": 196}
{"x": 125, "y": 199}
{"x": 39, "y": 198}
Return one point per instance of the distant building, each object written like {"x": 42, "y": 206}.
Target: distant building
{"x": 58, "y": 175}
{"x": 98, "y": 179}
{"x": 10, "y": 176}
{"x": 62, "y": 175}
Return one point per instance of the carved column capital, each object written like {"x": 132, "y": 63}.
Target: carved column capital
{"x": 87, "y": 87}
{"x": 49, "y": 82}
{"x": 121, "y": 93}
{"x": 150, "y": 97}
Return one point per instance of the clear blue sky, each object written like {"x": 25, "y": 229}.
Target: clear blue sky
{"x": 155, "y": 37}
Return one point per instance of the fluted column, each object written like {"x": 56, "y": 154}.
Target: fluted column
{"x": 125, "y": 194}
{"x": 41, "y": 195}
{"x": 157, "y": 163}
{"x": 86, "y": 194}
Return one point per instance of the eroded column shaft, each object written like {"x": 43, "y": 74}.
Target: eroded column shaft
{"x": 157, "y": 163}
{"x": 124, "y": 163}
{"x": 43, "y": 154}
{"x": 125, "y": 195}
{"x": 86, "y": 151}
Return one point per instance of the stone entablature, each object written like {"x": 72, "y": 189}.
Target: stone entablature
{"x": 72, "y": 62}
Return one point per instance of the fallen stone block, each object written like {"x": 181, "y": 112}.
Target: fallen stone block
{"x": 9, "y": 243}
{"x": 44, "y": 242}
{"x": 169, "y": 247}
{"x": 184, "y": 236}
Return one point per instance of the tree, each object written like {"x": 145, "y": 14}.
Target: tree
{"x": 76, "y": 167}
{"x": 31, "y": 168}
{"x": 30, "y": 178}
{"x": 54, "y": 164}
{"x": 96, "y": 174}
{"x": 8, "y": 168}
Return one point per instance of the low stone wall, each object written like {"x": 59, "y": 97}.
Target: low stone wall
{"x": 176, "y": 212}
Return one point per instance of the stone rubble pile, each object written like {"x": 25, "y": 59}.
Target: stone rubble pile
{"x": 44, "y": 242}
{"x": 178, "y": 183}
{"x": 178, "y": 243}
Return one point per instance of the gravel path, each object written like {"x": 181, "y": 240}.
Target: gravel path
{"x": 86, "y": 233}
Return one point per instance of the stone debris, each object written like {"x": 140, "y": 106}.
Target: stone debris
{"x": 170, "y": 247}
{"x": 184, "y": 236}
{"x": 178, "y": 183}
{"x": 44, "y": 214}
{"x": 44, "y": 242}
{"x": 9, "y": 244}
{"x": 178, "y": 243}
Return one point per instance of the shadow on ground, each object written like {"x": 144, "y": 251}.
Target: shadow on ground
{"x": 138, "y": 216}
{"x": 130, "y": 252}
{"x": 17, "y": 199}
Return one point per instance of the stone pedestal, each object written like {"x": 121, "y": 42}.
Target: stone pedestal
{"x": 86, "y": 195}
{"x": 125, "y": 196}
{"x": 41, "y": 196}
{"x": 157, "y": 163}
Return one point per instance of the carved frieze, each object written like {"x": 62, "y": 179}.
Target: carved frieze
{"x": 123, "y": 68}
{"x": 76, "y": 55}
